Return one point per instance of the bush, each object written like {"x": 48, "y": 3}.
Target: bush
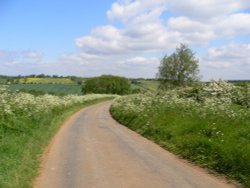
{"x": 107, "y": 84}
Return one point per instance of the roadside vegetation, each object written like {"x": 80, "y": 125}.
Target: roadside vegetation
{"x": 27, "y": 124}
{"x": 209, "y": 124}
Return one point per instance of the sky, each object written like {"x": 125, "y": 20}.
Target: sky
{"x": 123, "y": 37}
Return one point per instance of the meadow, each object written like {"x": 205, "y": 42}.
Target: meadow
{"x": 27, "y": 124}
{"x": 208, "y": 124}
{"x": 145, "y": 85}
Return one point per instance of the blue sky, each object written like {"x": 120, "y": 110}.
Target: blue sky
{"x": 124, "y": 37}
{"x": 48, "y": 26}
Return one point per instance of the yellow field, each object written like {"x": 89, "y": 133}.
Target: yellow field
{"x": 46, "y": 80}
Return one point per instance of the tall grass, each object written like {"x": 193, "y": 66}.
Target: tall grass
{"x": 27, "y": 123}
{"x": 211, "y": 126}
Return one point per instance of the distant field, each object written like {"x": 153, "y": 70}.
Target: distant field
{"x": 60, "y": 89}
{"x": 46, "y": 80}
{"x": 241, "y": 83}
{"x": 151, "y": 85}
{"x": 3, "y": 80}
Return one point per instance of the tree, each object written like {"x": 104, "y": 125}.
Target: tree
{"x": 180, "y": 68}
{"x": 107, "y": 84}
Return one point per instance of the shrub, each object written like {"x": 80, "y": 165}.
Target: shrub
{"x": 107, "y": 84}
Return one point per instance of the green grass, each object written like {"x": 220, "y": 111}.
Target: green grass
{"x": 150, "y": 84}
{"x": 21, "y": 149}
{"x": 3, "y": 80}
{"x": 146, "y": 85}
{"x": 212, "y": 141}
{"x": 58, "y": 89}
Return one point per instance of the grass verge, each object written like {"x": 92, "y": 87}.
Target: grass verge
{"x": 212, "y": 140}
{"x": 21, "y": 150}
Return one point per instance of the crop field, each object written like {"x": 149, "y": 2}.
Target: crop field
{"x": 241, "y": 83}
{"x": 3, "y": 80}
{"x": 58, "y": 89}
{"x": 150, "y": 84}
{"x": 27, "y": 123}
{"x": 209, "y": 124}
{"x": 146, "y": 85}
{"x": 46, "y": 81}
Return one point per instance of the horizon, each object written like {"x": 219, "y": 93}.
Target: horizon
{"x": 130, "y": 78}
{"x": 124, "y": 38}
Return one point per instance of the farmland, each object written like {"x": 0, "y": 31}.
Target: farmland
{"x": 57, "y": 89}
{"x": 46, "y": 81}
{"x": 145, "y": 85}
{"x": 209, "y": 124}
{"x": 3, "y": 80}
{"x": 65, "y": 85}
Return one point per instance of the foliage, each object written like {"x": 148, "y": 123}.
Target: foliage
{"x": 180, "y": 68}
{"x": 107, "y": 84}
{"x": 27, "y": 123}
{"x": 220, "y": 90}
{"x": 205, "y": 124}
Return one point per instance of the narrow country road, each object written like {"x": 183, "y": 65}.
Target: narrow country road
{"x": 92, "y": 150}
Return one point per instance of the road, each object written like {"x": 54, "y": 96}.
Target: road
{"x": 92, "y": 150}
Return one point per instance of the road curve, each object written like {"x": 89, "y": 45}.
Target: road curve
{"x": 92, "y": 150}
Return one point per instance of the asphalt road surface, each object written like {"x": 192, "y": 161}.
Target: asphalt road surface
{"x": 92, "y": 150}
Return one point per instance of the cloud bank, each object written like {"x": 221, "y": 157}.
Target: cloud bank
{"x": 140, "y": 32}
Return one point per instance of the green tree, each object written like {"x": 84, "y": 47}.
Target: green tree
{"x": 107, "y": 84}
{"x": 180, "y": 68}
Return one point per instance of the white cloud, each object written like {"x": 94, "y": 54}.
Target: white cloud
{"x": 228, "y": 62}
{"x": 20, "y": 62}
{"x": 32, "y": 54}
{"x": 144, "y": 30}
{"x": 139, "y": 30}
{"x": 142, "y": 61}
{"x": 233, "y": 52}
{"x": 203, "y": 10}
{"x": 233, "y": 25}
{"x": 126, "y": 11}
{"x": 102, "y": 40}
{"x": 184, "y": 24}
{"x": 16, "y": 56}
{"x": 92, "y": 65}
{"x": 199, "y": 10}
